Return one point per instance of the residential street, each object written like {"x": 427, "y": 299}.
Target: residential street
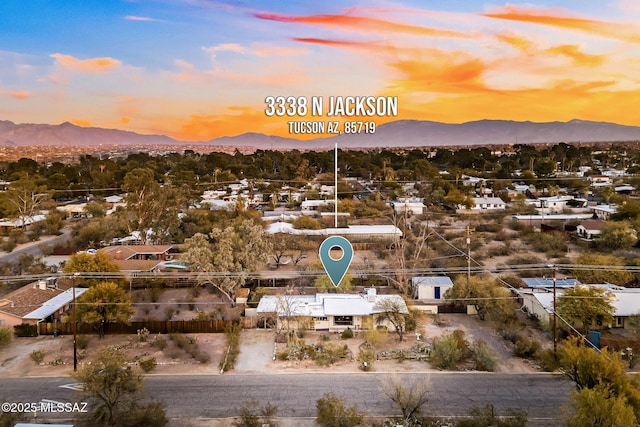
{"x": 541, "y": 395}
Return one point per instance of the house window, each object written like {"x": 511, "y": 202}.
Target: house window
{"x": 343, "y": 320}
{"x": 619, "y": 322}
{"x": 321, "y": 319}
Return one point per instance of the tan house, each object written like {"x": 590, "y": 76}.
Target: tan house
{"x": 330, "y": 312}
{"x": 41, "y": 301}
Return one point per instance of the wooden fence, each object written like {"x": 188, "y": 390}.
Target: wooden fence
{"x": 153, "y": 326}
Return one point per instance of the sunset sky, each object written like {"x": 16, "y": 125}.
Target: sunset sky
{"x": 196, "y": 69}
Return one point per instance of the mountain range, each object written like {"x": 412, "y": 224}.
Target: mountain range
{"x": 401, "y": 133}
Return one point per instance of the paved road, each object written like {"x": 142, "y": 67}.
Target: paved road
{"x": 35, "y": 249}
{"x": 215, "y": 396}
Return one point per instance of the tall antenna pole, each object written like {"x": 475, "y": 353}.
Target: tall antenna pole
{"x": 336, "y": 185}
{"x": 468, "y": 255}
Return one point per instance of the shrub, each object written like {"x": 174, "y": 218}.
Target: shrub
{"x": 526, "y": 347}
{"x": 375, "y": 337}
{"x": 82, "y": 341}
{"x": 548, "y": 360}
{"x": 160, "y": 343}
{"x": 172, "y": 352}
{"x": 365, "y": 359}
{"x": 331, "y": 411}
{"x": 203, "y": 357}
{"x": 6, "y": 336}
{"x": 446, "y": 353}
{"x": 148, "y": 365}
{"x": 143, "y": 335}
{"x": 347, "y": 333}
{"x": 232, "y": 332}
{"x": 37, "y": 356}
{"x": 168, "y": 313}
{"x": 325, "y": 337}
{"x": 25, "y": 330}
{"x": 484, "y": 357}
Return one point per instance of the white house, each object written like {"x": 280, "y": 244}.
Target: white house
{"x": 591, "y": 229}
{"x": 330, "y": 312}
{"x": 310, "y": 207}
{"x": 488, "y": 204}
{"x": 430, "y": 291}
{"x": 430, "y": 287}
{"x": 412, "y": 205}
{"x": 625, "y": 301}
{"x": 604, "y": 211}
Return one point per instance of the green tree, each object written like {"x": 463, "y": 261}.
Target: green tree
{"x": 151, "y": 207}
{"x": 117, "y": 390}
{"x": 585, "y": 305}
{"x": 604, "y": 373}
{"x": 229, "y": 250}
{"x": 490, "y": 300}
{"x": 104, "y": 303}
{"x": 601, "y": 268}
{"x": 331, "y": 411}
{"x": 24, "y": 199}
{"x": 84, "y": 262}
{"x": 617, "y": 235}
{"x": 599, "y": 407}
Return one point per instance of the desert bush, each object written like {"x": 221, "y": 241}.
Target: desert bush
{"x": 248, "y": 417}
{"x": 500, "y": 250}
{"x": 82, "y": 341}
{"x": 25, "y": 330}
{"x": 526, "y": 347}
{"x": 327, "y": 355}
{"x": 484, "y": 357}
{"x": 487, "y": 416}
{"x": 168, "y": 313}
{"x": 325, "y": 337}
{"x": 548, "y": 360}
{"x": 446, "y": 352}
{"x": 160, "y": 343}
{"x": 346, "y": 334}
{"x": 554, "y": 242}
{"x": 375, "y": 337}
{"x": 331, "y": 411}
{"x": 143, "y": 335}
{"x": 203, "y": 357}
{"x": 148, "y": 365}
{"x": 37, "y": 356}
{"x": 172, "y": 352}
{"x": 6, "y": 336}
{"x": 232, "y": 333}
{"x": 365, "y": 359}
{"x": 489, "y": 227}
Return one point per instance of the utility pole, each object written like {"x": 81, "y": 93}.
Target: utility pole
{"x": 555, "y": 316}
{"x": 468, "y": 255}
{"x": 75, "y": 344}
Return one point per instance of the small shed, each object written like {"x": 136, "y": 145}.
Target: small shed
{"x": 430, "y": 287}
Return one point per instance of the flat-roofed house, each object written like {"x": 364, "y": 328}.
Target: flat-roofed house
{"x": 330, "y": 312}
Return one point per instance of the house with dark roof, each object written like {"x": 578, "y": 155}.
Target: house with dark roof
{"x": 591, "y": 229}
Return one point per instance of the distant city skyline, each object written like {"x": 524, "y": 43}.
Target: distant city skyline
{"x": 196, "y": 70}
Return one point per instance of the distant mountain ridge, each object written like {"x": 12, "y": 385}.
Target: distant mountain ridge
{"x": 401, "y": 133}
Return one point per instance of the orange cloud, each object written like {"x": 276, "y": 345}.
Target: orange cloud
{"x": 361, "y": 23}
{"x": 240, "y": 120}
{"x": 519, "y": 42}
{"x": 556, "y": 18}
{"x": 92, "y": 65}
{"x": 20, "y": 95}
{"x": 579, "y": 58}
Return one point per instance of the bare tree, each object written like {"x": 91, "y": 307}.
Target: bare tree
{"x": 394, "y": 310}
{"x": 409, "y": 393}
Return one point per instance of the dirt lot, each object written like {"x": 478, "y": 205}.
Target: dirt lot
{"x": 256, "y": 355}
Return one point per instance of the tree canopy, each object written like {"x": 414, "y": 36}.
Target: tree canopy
{"x": 103, "y": 303}
{"x": 584, "y": 305}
